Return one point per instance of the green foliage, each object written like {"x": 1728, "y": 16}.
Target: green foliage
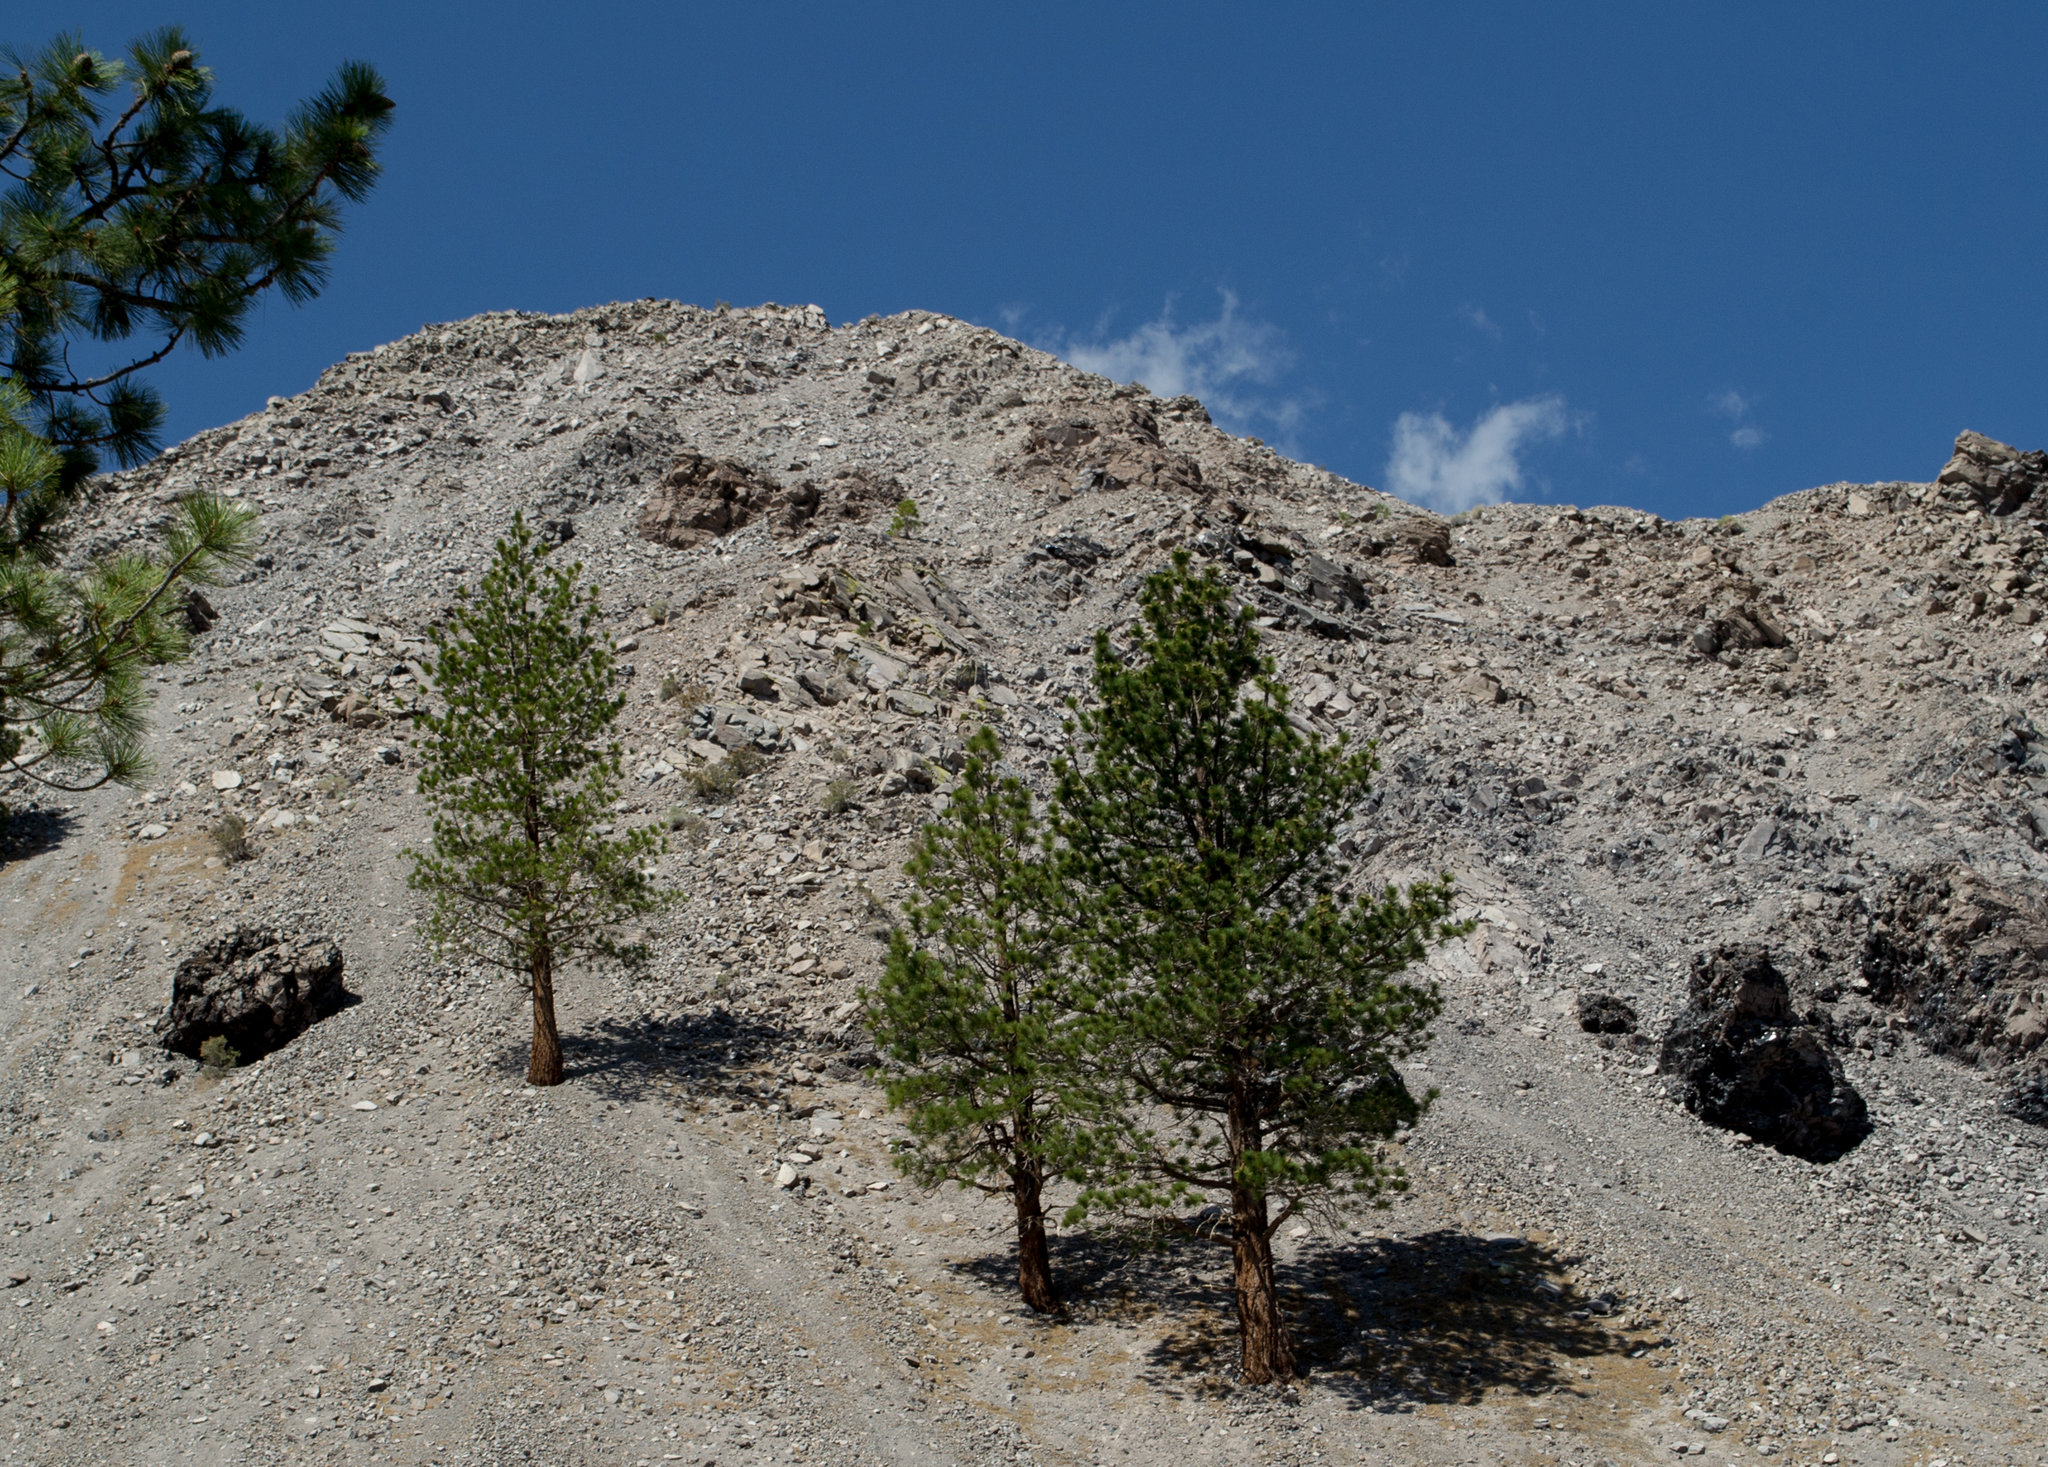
{"x": 164, "y": 217}
{"x": 217, "y": 1056}
{"x": 520, "y": 768}
{"x": 167, "y": 218}
{"x": 971, "y": 1013}
{"x": 841, "y": 794}
{"x": 1245, "y": 1009}
{"x": 74, "y": 648}
{"x": 905, "y": 521}
{"x": 230, "y": 837}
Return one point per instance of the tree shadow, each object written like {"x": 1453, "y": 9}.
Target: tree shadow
{"x": 1391, "y": 1323}
{"x": 716, "y": 1053}
{"x": 29, "y": 832}
{"x": 1443, "y": 1316}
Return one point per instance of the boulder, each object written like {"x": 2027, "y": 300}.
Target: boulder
{"x": 1999, "y": 477}
{"x": 1744, "y": 1061}
{"x": 256, "y": 988}
{"x": 1603, "y": 1013}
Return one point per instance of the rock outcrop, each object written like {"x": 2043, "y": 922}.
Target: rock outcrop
{"x": 1999, "y": 477}
{"x": 1965, "y": 959}
{"x": 256, "y": 988}
{"x": 702, "y": 498}
{"x": 1744, "y": 1061}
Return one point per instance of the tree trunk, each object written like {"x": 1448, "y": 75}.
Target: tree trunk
{"x": 1263, "y": 1353}
{"x": 544, "y": 1065}
{"x": 1034, "y": 1263}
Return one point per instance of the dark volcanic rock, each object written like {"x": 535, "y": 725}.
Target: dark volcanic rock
{"x": 1603, "y": 1013}
{"x": 258, "y": 990}
{"x": 1966, "y": 959}
{"x": 1744, "y": 1061}
{"x": 2026, "y": 1098}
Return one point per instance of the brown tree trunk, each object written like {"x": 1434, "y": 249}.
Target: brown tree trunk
{"x": 544, "y": 1065}
{"x": 1034, "y": 1262}
{"x": 1263, "y": 1353}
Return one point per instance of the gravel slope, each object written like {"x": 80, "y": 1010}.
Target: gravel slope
{"x": 378, "y": 1244}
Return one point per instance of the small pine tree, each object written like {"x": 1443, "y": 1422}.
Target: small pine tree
{"x": 969, "y": 1015}
{"x": 1246, "y": 1009}
{"x": 905, "y": 521}
{"x": 520, "y": 769}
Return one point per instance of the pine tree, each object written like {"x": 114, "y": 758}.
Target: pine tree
{"x": 969, "y": 1015}
{"x": 73, "y": 648}
{"x": 1247, "y": 1008}
{"x": 167, "y": 218}
{"x": 520, "y": 769}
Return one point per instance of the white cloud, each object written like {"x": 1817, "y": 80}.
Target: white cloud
{"x": 1216, "y": 361}
{"x": 1433, "y": 465}
{"x": 1737, "y": 408}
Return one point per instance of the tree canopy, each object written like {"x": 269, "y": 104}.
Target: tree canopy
{"x": 133, "y": 206}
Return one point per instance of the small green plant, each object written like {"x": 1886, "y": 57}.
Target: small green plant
{"x": 332, "y": 786}
{"x": 677, "y": 689}
{"x": 230, "y": 838}
{"x": 715, "y": 781}
{"x": 692, "y": 829}
{"x": 657, "y": 611}
{"x": 217, "y": 1056}
{"x": 841, "y": 794}
{"x": 1730, "y": 525}
{"x": 906, "y": 521}
{"x": 866, "y": 904}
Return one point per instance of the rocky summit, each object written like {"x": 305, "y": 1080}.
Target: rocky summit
{"x": 1737, "y": 1150}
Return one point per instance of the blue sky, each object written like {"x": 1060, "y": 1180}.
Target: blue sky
{"x": 1681, "y": 257}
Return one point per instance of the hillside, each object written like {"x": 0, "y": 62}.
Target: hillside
{"x": 1634, "y": 743}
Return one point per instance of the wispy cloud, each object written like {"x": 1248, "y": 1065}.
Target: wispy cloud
{"x": 1434, "y": 465}
{"x": 1226, "y": 362}
{"x": 1738, "y": 410}
{"x": 1478, "y": 320}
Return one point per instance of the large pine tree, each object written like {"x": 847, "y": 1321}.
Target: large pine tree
{"x": 1248, "y": 1006}
{"x": 520, "y": 769}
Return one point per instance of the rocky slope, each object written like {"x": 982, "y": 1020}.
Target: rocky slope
{"x": 1805, "y": 731}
